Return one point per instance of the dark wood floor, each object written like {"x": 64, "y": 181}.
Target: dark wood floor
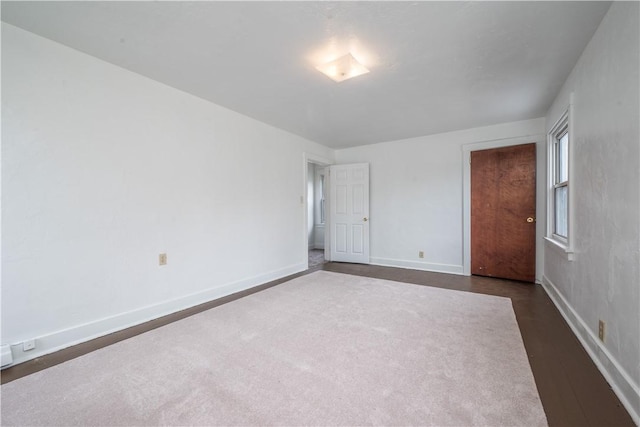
{"x": 572, "y": 390}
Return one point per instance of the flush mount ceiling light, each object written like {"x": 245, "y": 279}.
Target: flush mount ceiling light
{"x": 342, "y": 68}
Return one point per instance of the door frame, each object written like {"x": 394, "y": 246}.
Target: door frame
{"x": 541, "y": 210}
{"x": 324, "y": 162}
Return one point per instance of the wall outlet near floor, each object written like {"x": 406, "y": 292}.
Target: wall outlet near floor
{"x": 162, "y": 259}
{"x": 421, "y": 254}
{"x": 28, "y": 345}
{"x": 601, "y": 330}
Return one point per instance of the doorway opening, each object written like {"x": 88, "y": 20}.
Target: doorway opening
{"x": 316, "y": 213}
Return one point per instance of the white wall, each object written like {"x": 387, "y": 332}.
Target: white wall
{"x": 416, "y": 199}
{"x": 603, "y": 282}
{"x": 103, "y": 169}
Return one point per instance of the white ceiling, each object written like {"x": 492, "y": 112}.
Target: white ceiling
{"x": 435, "y": 66}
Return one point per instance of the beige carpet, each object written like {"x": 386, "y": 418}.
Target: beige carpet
{"x": 323, "y": 349}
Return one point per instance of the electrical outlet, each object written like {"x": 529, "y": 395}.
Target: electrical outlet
{"x": 421, "y": 254}
{"x": 601, "y": 330}
{"x": 28, "y": 345}
{"x": 162, "y": 259}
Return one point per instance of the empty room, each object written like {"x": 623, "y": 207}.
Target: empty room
{"x": 320, "y": 213}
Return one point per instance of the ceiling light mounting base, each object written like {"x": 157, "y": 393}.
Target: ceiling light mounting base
{"x": 343, "y": 68}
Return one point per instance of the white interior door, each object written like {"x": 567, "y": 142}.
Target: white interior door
{"x": 349, "y": 213}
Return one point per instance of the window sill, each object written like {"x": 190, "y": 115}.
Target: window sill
{"x": 561, "y": 249}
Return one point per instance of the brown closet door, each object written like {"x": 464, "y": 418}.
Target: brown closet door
{"x": 503, "y": 211}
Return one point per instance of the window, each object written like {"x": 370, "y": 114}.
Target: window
{"x": 322, "y": 219}
{"x": 559, "y": 189}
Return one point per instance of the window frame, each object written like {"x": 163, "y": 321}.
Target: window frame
{"x": 561, "y": 128}
{"x": 558, "y": 182}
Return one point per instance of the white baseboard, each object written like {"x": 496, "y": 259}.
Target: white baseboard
{"x": 416, "y": 265}
{"x": 81, "y": 333}
{"x": 621, "y": 383}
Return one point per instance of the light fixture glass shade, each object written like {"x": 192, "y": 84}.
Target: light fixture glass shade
{"x": 342, "y": 68}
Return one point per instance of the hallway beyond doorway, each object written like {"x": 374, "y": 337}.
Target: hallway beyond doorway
{"x": 316, "y": 257}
